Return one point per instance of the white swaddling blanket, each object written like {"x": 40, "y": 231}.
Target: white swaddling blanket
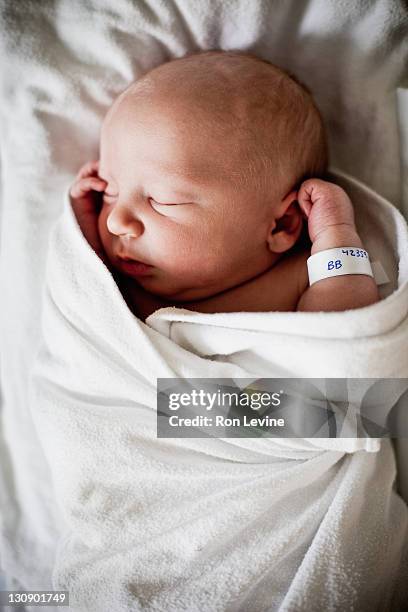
{"x": 216, "y": 524}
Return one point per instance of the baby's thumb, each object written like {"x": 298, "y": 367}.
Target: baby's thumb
{"x": 305, "y": 206}
{"x": 302, "y": 210}
{"x": 305, "y": 197}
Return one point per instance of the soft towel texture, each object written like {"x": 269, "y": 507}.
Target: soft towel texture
{"x": 216, "y": 524}
{"x": 63, "y": 62}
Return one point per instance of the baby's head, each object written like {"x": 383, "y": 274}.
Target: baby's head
{"x": 203, "y": 157}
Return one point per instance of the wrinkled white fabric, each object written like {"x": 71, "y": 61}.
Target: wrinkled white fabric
{"x": 228, "y": 523}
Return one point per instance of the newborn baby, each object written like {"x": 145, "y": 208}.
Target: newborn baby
{"x": 208, "y": 169}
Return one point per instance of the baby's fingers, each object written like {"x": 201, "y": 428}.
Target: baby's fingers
{"x": 84, "y": 186}
{"x": 310, "y": 192}
{"x": 305, "y": 204}
{"x": 89, "y": 169}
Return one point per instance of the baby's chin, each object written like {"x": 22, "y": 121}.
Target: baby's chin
{"x": 183, "y": 295}
{"x": 175, "y": 293}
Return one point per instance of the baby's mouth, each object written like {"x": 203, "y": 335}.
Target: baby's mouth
{"x": 133, "y": 267}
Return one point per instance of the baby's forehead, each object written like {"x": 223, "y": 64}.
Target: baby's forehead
{"x": 231, "y": 110}
{"x": 182, "y": 127}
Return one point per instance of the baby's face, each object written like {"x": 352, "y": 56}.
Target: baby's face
{"x": 172, "y": 202}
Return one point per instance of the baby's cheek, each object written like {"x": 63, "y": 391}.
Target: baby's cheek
{"x": 185, "y": 258}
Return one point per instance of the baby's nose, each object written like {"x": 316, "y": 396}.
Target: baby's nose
{"x": 123, "y": 221}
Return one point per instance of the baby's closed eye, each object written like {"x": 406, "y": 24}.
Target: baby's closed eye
{"x": 109, "y": 198}
{"x": 167, "y": 203}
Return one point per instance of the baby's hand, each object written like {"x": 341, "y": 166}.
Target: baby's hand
{"x": 329, "y": 211}
{"x": 85, "y": 206}
{"x": 331, "y": 225}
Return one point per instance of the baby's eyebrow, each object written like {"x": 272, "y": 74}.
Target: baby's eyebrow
{"x": 199, "y": 176}
{"x": 181, "y": 178}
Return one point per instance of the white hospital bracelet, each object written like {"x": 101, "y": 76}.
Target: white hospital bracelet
{"x": 338, "y": 261}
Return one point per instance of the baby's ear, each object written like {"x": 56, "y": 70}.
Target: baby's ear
{"x": 287, "y": 225}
